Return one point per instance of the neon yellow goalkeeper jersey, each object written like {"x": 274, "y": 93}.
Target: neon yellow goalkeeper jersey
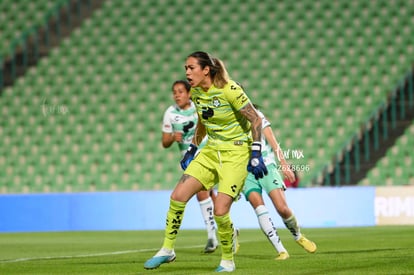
{"x": 218, "y": 111}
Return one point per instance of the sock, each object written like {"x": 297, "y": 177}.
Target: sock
{"x": 266, "y": 224}
{"x": 207, "y": 212}
{"x": 225, "y": 233}
{"x": 292, "y": 224}
{"x": 174, "y": 218}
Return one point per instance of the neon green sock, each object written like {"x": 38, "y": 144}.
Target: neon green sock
{"x": 225, "y": 233}
{"x": 174, "y": 218}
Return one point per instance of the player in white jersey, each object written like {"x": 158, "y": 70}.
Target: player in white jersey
{"x": 274, "y": 186}
{"x": 179, "y": 125}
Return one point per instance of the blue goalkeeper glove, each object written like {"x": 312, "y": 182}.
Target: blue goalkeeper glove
{"x": 256, "y": 164}
{"x": 188, "y": 156}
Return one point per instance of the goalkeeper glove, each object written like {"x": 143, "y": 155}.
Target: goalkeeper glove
{"x": 188, "y": 156}
{"x": 256, "y": 164}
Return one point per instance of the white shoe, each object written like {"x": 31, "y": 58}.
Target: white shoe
{"x": 211, "y": 246}
{"x": 226, "y": 266}
{"x": 163, "y": 256}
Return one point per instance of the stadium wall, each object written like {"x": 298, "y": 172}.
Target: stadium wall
{"x": 145, "y": 210}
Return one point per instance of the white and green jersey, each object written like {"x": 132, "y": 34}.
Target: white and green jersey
{"x": 179, "y": 120}
{"x": 267, "y": 151}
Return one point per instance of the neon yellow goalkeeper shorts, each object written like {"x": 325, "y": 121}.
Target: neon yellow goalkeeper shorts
{"x": 228, "y": 168}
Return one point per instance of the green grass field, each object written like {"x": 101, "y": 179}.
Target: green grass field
{"x": 361, "y": 250}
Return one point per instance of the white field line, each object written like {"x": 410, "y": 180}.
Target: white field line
{"x": 91, "y": 255}
{"x": 77, "y": 256}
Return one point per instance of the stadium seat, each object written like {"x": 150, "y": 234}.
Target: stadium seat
{"x": 318, "y": 69}
{"x": 18, "y": 17}
{"x": 396, "y": 164}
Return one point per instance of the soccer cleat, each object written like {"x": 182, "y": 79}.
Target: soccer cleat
{"x": 211, "y": 246}
{"x": 236, "y": 244}
{"x": 307, "y": 244}
{"x": 226, "y": 266}
{"x": 163, "y": 256}
{"x": 282, "y": 256}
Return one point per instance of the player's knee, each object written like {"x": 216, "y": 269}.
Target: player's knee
{"x": 203, "y": 195}
{"x": 220, "y": 211}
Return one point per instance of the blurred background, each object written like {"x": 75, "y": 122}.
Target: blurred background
{"x": 84, "y": 84}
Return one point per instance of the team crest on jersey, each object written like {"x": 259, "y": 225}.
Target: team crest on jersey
{"x": 216, "y": 102}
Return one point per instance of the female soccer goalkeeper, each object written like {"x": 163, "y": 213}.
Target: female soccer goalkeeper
{"x": 233, "y": 126}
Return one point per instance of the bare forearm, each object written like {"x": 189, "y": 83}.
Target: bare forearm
{"x": 167, "y": 139}
{"x": 256, "y": 122}
{"x": 257, "y": 129}
{"x": 271, "y": 139}
{"x": 199, "y": 134}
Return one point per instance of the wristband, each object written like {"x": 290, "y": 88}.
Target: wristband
{"x": 257, "y": 146}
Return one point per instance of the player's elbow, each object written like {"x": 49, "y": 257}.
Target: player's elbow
{"x": 166, "y": 140}
{"x": 166, "y": 144}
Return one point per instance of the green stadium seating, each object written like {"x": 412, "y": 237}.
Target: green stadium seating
{"x": 92, "y": 110}
{"x": 18, "y": 17}
{"x": 395, "y": 168}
